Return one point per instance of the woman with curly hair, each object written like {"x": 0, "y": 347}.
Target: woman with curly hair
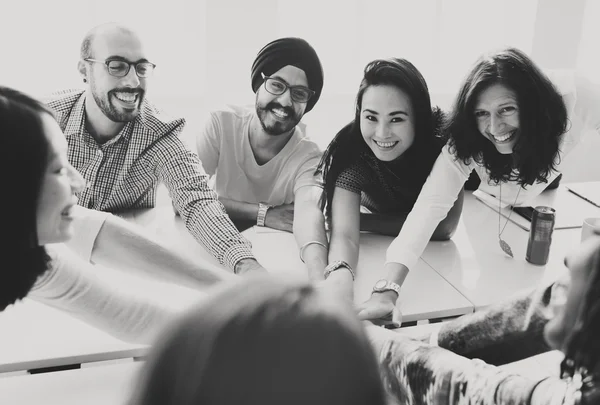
{"x": 378, "y": 163}
{"x": 512, "y": 125}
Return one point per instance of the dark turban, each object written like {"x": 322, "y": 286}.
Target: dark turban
{"x": 289, "y": 51}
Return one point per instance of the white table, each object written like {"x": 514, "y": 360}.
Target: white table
{"x": 476, "y": 266}
{"x": 37, "y": 336}
{"x": 425, "y": 295}
{"x": 100, "y": 385}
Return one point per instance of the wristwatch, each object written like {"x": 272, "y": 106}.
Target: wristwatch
{"x": 384, "y": 285}
{"x": 262, "y": 213}
{"x": 338, "y": 264}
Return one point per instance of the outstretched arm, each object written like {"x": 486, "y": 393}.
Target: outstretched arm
{"x": 345, "y": 240}
{"x": 123, "y": 245}
{"x": 501, "y": 333}
{"x": 309, "y": 226}
{"x": 417, "y": 373}
{"x": 71, "y": 285}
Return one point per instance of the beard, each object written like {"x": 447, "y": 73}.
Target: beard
{"x": 272, "y": 125}
{"x": 114, "y": 112}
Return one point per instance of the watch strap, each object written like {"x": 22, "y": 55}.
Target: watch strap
{"x": 389, "y": 286}
{"x": 338, "y": 264}
{"x": 262, "y": 213}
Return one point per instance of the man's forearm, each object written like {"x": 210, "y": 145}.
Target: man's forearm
{"x": 122, "y": 245}
{"x": 240, "y": 210}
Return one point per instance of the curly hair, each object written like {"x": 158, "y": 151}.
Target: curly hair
{"x": 542, "y": 113}
{"x": 348, "y": 144}
{"x": 26, "y": 153}
{"x": 583, "y": 343}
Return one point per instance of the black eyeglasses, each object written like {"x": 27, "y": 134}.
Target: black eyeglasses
{"x": 300, "y": 94}
{"x": 120, "y": 68}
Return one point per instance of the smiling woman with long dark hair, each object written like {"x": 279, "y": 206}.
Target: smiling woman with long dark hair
{"x": 378, "y": 163}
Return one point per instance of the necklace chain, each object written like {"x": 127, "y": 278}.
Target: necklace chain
{"x": 503, "y": 245}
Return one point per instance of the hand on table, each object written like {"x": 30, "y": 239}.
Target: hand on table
{"x": 381, "y": 310}
{"x": 281, "y": 217}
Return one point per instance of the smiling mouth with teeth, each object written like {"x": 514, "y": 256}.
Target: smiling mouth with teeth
{"x": 279, "y": 113}
{"x": 127, "y": 97}
{"x": 386, "y": 145}
{"x": 503, "y": 138}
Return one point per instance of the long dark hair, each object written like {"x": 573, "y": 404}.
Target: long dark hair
{"x": 24, "y": 161}
{"x": 263, "y": 340}
{"x": 542, "y": 115}
{"x": 583, "y": 343}
{"x": 348, "y": 145}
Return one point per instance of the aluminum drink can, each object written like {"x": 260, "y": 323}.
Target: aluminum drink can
{"x": 540, "y": 235}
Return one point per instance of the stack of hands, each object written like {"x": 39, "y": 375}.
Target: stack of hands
{"x": 380, "y": 308}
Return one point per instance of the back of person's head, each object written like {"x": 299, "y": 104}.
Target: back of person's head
{"x": 582, "y": 353}
{"x": 542, "y": 117}
{"x": 25, "y": 157}
{"x": 348, "y": 144}
{"x": 267, "y": 341}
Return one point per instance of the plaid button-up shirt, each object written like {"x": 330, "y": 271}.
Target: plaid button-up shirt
{"x": 125, "y": 172}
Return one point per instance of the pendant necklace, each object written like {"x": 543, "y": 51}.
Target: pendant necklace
{"x": 503, "y": 245}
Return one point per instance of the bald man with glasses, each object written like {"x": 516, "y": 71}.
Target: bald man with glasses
{"x": 125, "y": 147}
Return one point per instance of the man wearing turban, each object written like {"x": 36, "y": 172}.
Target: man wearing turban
{"x": 261, "y": 159}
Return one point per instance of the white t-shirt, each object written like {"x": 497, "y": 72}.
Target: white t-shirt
{"x": 225, "y": 152}
{"x": 448, "y": 175}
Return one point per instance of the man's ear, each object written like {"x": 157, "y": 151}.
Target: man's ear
{"x": 82, "y": 68}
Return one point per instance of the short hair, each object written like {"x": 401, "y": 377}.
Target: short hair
{"x": 583, "y": 343}
{"x": 85, "y": 50}
{"x": 264, "y": 340}
{"x": 26, "y": 154}
{"x": 348, "y": 144}
{"x": 542, "y": 115}
{"x": 86, "y": 45}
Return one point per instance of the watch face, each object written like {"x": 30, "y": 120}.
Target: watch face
{"x": 380, "y": 284}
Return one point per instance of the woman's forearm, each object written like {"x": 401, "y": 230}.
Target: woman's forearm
{"x": 124, "y": 246}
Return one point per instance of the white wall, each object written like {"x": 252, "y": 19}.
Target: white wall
{"x": 204, "y": 48}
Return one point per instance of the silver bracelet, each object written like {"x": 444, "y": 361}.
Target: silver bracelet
{"x": 312, "y": 242}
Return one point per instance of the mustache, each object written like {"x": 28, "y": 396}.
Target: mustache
{"x": 289, "y": 110}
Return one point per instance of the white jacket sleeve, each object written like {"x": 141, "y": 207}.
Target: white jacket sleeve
{"x": 439, "y": 192}
{"x": 71, "y": 286}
